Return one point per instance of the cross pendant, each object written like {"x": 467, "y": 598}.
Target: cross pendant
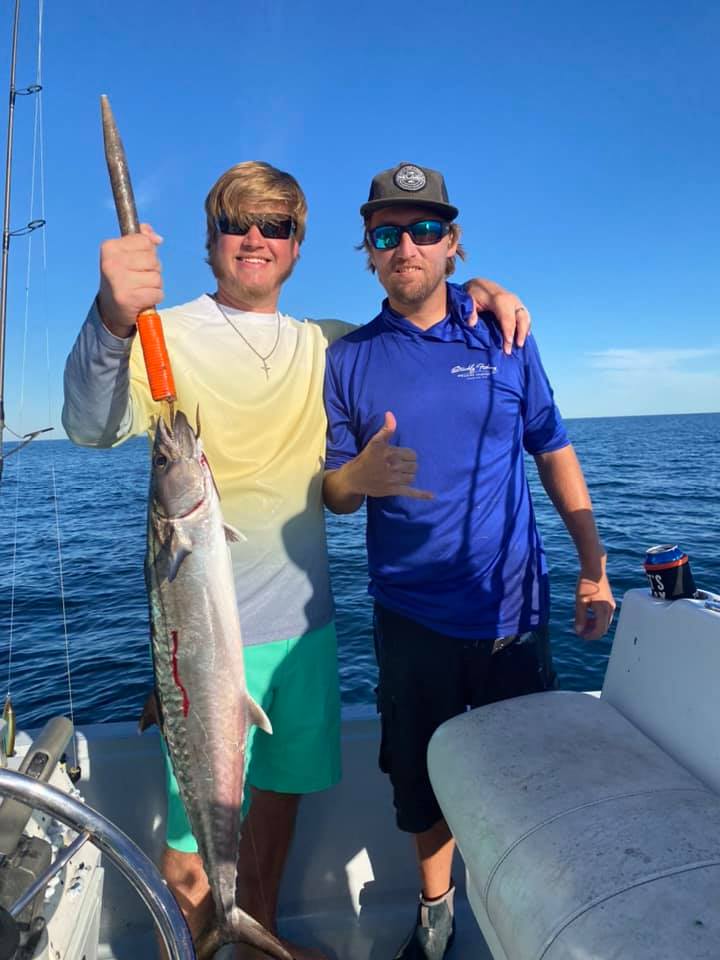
{"x": 266, "y": 368}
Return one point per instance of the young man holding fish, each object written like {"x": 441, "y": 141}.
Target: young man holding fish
{"x": 428, "y": 418}
{"x": 256, "y": 375}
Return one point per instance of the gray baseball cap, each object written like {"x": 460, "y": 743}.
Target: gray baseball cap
{"x": 409, "y": 185}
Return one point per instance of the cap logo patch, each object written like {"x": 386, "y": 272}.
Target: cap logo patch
{"x": 410, "y": 177}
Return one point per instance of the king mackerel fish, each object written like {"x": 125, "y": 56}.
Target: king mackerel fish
{"x": 199, "y": 673}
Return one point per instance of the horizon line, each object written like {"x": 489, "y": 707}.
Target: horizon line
{"x": 606, "y": 416}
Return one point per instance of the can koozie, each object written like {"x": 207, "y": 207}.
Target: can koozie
{"x": 668, "y": 570}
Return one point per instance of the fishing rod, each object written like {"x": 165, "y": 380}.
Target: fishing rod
{"x": 7, "y": 233}
{"x": 8, "y": 712}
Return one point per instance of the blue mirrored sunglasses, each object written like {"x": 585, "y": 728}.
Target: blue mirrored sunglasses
{"x": 271, "y": 227}
{"x": 422, "y": 232}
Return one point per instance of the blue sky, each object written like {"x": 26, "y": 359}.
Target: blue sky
{"x": 580, "y": 142}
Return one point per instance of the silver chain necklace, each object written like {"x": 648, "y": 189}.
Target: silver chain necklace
{"x": 263, "y": 359}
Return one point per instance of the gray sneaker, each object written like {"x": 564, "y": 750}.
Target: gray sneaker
{"x": 433, "y": 934}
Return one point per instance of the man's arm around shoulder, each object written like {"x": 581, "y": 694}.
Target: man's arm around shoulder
{"x": 332, "y": 330}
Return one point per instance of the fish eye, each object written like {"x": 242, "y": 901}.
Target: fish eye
{"x": 160, "y": 460}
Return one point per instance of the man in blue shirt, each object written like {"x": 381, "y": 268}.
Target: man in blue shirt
{"x": 428, "y": 418}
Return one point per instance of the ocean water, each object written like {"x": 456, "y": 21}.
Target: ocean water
{"x": 652, "y": 480}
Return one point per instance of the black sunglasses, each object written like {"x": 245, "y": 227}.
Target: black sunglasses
{"x": 271, "y": 227}
{"x": 422, "y": 232}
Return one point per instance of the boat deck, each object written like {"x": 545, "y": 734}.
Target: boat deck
{"x": 350, "y": 887}
{"x": 375, "y": 934}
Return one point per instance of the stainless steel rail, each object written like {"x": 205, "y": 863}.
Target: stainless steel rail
{"x": 134, "y": 865}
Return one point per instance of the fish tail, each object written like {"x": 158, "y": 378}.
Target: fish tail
{"x": 240, "y": 928}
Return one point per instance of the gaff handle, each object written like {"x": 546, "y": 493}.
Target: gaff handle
{"x": 157, "y": 362}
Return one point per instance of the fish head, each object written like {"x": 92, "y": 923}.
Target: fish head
{"x": 180, "y": 472}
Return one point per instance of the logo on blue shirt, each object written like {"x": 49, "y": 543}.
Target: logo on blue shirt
{"x": 473, "y": 371}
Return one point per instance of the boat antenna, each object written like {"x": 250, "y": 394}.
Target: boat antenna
{"x": 7, "y": 233}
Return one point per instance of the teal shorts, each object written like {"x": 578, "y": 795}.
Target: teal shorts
{"x": 296, "y": 683}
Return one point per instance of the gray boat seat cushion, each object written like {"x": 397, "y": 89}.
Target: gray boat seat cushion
{"x": 582, "y": 839}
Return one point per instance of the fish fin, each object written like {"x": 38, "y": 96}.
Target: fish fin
{"x": 180, "y": 547}
{"x": 241, "y": 928}
{"x": 233, "y": 535}
{"x": 258, "y": 716}
{"x": 150, "y": 713}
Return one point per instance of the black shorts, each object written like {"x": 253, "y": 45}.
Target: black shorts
{"x": 424, "y": 679}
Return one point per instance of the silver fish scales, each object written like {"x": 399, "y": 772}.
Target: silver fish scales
{"x": 199, "y": 673}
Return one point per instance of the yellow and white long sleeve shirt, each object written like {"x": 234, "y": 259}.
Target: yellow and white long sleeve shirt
{"x": 264, "y": 437}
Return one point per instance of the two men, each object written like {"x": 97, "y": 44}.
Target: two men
{"x": 256, "y": 375}
{"x": 428, "y": 418}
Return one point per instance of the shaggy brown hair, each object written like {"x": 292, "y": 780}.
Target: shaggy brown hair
{"x": 253, "y": 184}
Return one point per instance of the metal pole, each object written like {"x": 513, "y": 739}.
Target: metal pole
{"x": 6, "y": 227}
{"x": 42, "y": 881}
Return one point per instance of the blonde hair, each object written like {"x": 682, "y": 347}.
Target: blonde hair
{"x": 454, "y": 233}
{"x": 254, "y": 183}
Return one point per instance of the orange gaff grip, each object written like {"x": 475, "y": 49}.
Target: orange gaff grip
{"x": 157, "y": 362}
